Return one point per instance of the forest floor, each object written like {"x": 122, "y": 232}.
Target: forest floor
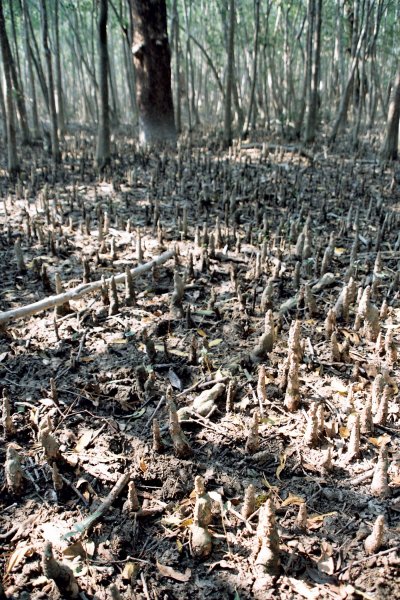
{"x": 278, "y": 210}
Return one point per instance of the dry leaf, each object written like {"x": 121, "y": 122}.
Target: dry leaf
{"x": 315, "y": 521}
{"x": 74, "y": 550}
{"x": 338, "y": 386}
{"x": 186, "y": 523}
{"x": 174, "y": 380}
{"x": 84, "y": 441}
{"x": 202, "y": 333}
{"x": 89, "y": 547}
{"x": 326, "y": 563}
{"x": 344, "y": 432}
{"x": 215, "y": 342}
{"x": 380, "y": 441}
{"x": 177, "y": 352}
{"x": 223, "y": 564}
{"x": 18, "y": 556}
{"x": 282, "y": 463}
{"x": 352, "y": 336}
{"x": 215, "y": 496}
{"x": 293, "y": 500}
{"x": 47, "y": 402}
{"x": 130, "y": 570}
{"x": 143, "y": 466}
{"x": 170, "y": 572}
{"x": 304, "y": 589}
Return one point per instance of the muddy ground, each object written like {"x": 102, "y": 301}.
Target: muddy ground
{"x": 264, "y": 214}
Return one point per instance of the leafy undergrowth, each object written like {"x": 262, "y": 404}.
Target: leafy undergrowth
{"x": 273, "y": 333}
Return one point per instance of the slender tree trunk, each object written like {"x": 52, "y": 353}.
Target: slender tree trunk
{"x": 35, "y": 55}
{"x": 255, "y": 61}
{"x": 16, "y": 51}
{"x": 344, "y": 103}
{"x": 18, "y": 91}
{"x": 130, "y": 77}
{"x": 60, "y": 94}
{"x": 390, "y": 148}
{"x": 229, "y": 76}
{"x": 190, "y": 66}
{"x": 55, "y": 146}
{"x": 12, "y": 162}
{"x": 361, "y": 103}
{"x": 152, "y": 60}
{"x": 175, "y": 38}
{"x": 103, "y": 135}
{"x": 210, "y": 63}
{"x": 3, "y": 112}
{"x": 115, "y": 115}
{"x": 313, "y": 101}
{"x": 28, "y": 54}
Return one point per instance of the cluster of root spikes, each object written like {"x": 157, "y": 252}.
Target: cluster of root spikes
{"x": 271, "y": 334}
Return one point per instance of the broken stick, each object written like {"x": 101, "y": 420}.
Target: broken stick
{"x": 78, "y": 291}
{"x": 80, "y": 528}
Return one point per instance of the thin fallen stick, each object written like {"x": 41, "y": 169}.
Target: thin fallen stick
{"x": 78, "y": 291}
{"x": 355, "y": 563}
{"x": 157, "y": 408}
{"x": 80, "y": 528}
{"x": 361, "y": 478}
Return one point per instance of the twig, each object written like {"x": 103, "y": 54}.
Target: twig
{"x": 190, "y": 389}
{"x": 145, "y": 588}
{"x": 80, "y": 528}
{"x": 363, "y": 477}
{"x": 157, "y": 408}
{"x": 362, "y": 560}
{"x": 257, "y": 401}
{"x": 81, "y": 344}
{"x": 9, "y": 533}
{"x": 78, "y": 291}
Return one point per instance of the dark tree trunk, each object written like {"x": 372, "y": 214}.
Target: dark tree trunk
{"x": 229, "y": 77}
{"x": 55, "y": 146}
{"x": 3, "y": 113}
{"x": 16, "y": 89}
{"x": 312, "y": 99}
{"x": 13, "y": 165}
{"x": 390, "y": 150}
{"x": 152, "y": 61}
{"x": 103, "y": 137}
{"x": 60, "y": 93}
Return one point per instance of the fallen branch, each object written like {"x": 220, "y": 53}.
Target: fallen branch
{"x": 80, "y": 528}
{"x": 355, "y": 563}
{"x": 78, "y": 291}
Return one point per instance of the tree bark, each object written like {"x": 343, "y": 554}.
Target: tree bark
{"x": 17, "y": 90}
{"x": 390, "y": 148}
{"x": 254, "y": 74}
{"x": 229, "y": 76}
{"x": 175, "y": 37}
{"x": 55, "y": 147}
{"x": 3, "y": 112}
{"x": 32, "y": 86}
{"x": 312, "y": 108}
{"x": 103, "y": 136}
{"x": 344, "y": 102}
{"x": 12, "y": 162}
{"x": 60, "y": 94}
{"x": 152, "y": 61}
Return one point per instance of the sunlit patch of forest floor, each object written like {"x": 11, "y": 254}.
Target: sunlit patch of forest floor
{"x": 273, "y": 332}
